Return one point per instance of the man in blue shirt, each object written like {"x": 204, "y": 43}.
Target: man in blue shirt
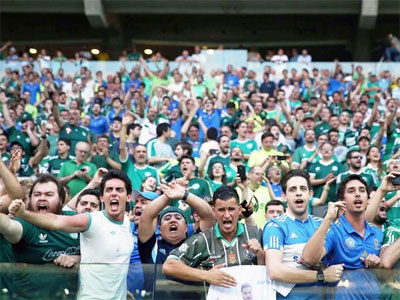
{"x": 98, "y": 123}
{"x": 351, "y": 241}
{"x": 210, "y": 116}
{"x": 285, "y": 237}
{"x": 231, "y": 79}
{"x": 32, "y": 87}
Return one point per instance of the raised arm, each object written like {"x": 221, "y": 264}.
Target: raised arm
{"x": 56, "y": 113}
{"x": 43, "y": 150}
{"x": 374, "y": 111}
{"x": 148, "y": 219}
{"x": 6, "y": 112}
{"x": 188, "y": 121}
{"x": 10, "y": 229}
{"x": 314, "y": 250}
{"x": 126, "y": 120}
{"x": 12, "y": 186}
{"x": 77, "y": 223}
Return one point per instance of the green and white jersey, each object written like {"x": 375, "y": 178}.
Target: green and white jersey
{"x": 247, "y": 146}
{"x": 391, "y": 231}
{"x": 370, "y": 179}
{"x": 199, "y": 187}
{"x": 214, "y": 184}
{"x": 15, "y": 135}
{"x": 224, "y": 159}
{"x": 369, "y": 169}
{"x": 320, "y": 170}
{"x": 5, "y": 157}
{"x": 322, "y": 128}
{"x": 351, "y": 135}
{"x": 101, "y": 162}
{"x": 137, "y": 174}
{"x": 209, "y": 248}
{"x": 302, "y": 153}
{"x": 38, "y": 245}
{"x": 75, "y": 134}
{"x": 393, "y": 144}
{"x": 393, "y": 213}
{"x": 53, "y": 164}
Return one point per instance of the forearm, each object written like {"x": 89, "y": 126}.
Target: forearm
{"x": 122, "y": 143}
{"x": 390, "y": 254}
{"x": 91, "y": 185}
{"x": 113, "y": 164}
{"x": 279, "y": 271}
{"x": 7, "y": 118}
{"x": 156, "y": 160}
{"x": 181, "y": 271}
{"x": 48, "y": 221}
{"x": 33, "y": 138}
{"x": 314, "y": 249}
{"x": 12, "y": 230}
{"x": 203, "y": 209}
{"x": 67, "y": 178}
{"x": 323, "y": 197}
{"x": 11, "y": 183}
{"x": 315, "y": 182}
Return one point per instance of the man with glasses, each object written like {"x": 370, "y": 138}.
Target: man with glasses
{"x": 78, "y": 172}
{"x": 354, "y": 166}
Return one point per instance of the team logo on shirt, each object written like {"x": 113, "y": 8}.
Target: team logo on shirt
{"x": 376, "y": 244}
{"x": 350, "y": 243}
{"x": 249, "y": 146}
{"x": 195, "y": 186}
{"x": 317, "y": 169}
{"x": 68, "y": 130}
{"x": 183, "y": 248}
{"x": 74, "y": 235}
{"x": 43, "y": 238}
{"x": 147, "y": 174}
{"x": 334, "y": 168}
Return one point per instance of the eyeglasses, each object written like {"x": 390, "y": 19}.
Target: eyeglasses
{"x": 356, "y": 157}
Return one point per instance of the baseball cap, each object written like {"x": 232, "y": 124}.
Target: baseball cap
{"x": 172, "y": 209}
{"x": 147, "y": 195}
{"x": 26, "y": 117}
{"x": 16, "y": 143}
{"x": 308, "y": 116}
{"x": 363, "y": 137}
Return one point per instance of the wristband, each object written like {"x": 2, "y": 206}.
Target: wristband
{"x": 185, "y": 195}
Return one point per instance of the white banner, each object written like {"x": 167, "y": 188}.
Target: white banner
{"x": 252, "y": 284}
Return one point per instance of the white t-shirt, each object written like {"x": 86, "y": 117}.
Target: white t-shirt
{"x": 106, "y": 247}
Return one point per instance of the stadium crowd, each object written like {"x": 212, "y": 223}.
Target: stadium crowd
{"x": 198, "y": 171}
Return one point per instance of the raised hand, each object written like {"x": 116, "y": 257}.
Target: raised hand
{"x": 99, "y": 175}
{"x": 333, "y": 210}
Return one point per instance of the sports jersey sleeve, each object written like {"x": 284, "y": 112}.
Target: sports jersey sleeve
{"x": 312, "y": 170}
{"x": 273, "y": 237}
{"x": 391, "y": 235}
{"x": 192, "y": 252}
{"x": 296, "y": 157}
{"x": 329, "y": 241}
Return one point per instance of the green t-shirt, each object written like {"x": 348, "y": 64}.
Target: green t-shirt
{"x": 302, "y": 153}
{"x": 137, "y": 175}
{"x": 392, "y": 231}
{"x": 321, "y": 170}
{"x": 225, "y": 160}
{"x": 214, "y": 184}
{"x": 199, "y": 187}
{"x": 371, "y": 180}
{"x": 15, "y": 135}
{"x": 25, "y": 170}
{"x": 75, "y": 134}
{"x": 38, "y": 245}
{"x": 393, "y": 144}
{"x": 393, "y": 213}
{"x": 322, "y": 128}
{"x": 101, "y": 162}
{"x": 53, "y": 164}
{"x": 247, "y": 146}
{"x": 77, "y": 184}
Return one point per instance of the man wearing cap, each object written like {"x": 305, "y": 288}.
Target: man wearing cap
{"x": 354, "y": 166}
{"x": 172, "y": 224}
{"x": 26, "y": 136}
{"x": 227, "y": 243}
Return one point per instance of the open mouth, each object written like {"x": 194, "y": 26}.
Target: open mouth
{"x": 299, "y": 201}
{"x": 42, "y": 208}
{"x": 358, "y": 203}
{"x": 138, "y": 213}
{"x": 173, "y": 228}
{"x": 114, "y": 204}
{"x": 227, "y": 222}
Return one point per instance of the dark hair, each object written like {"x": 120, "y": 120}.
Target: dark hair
{"x": 380, "y": 164}
{"x": 274, "y": 202}
{"x": 133, "y": 126}
{"x": 221, "y": 136}
{"x": 332, "y": 130}
{"x": 44, "y": 178}
{"x": 194, "y": 125}
{"x": 225, "y": 193}
{"x": 212, "y": 133}
{"x": 230, "y": 105}
{"x": 66, "y": 141}
{"x": 342, "y": 185}
{"x": 116, "y": 174}
{"x": 295, "y": 173}
{"x": 185, "y": 147}
{"x": 187, "y": 157}
{"x": 350, "y": 153}
{"x": 267, "y": 134}
{"x": 210, "y": 171}
{"x": 161, "y": 128}
{"x": 93, "y": 192}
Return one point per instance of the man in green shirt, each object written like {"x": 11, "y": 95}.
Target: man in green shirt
{"x": 5, "y": 156}
{"x": 71, "y": 130}
{"x": 229, "y": 242}
{"x": 355, "y": 167}
{"x": 102, "y": 156}
{"x": 53, "y": 164}
{"x": 199, "y": 187}
{"x": 78, "y": 172}
{"x": 139, "y": 170}
{"x": 247, "y": 145}
{"x": 305, "y": 151}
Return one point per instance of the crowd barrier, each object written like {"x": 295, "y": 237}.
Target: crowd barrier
{"x": 214, "y": 60}
{"x": 48, "y": 281}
